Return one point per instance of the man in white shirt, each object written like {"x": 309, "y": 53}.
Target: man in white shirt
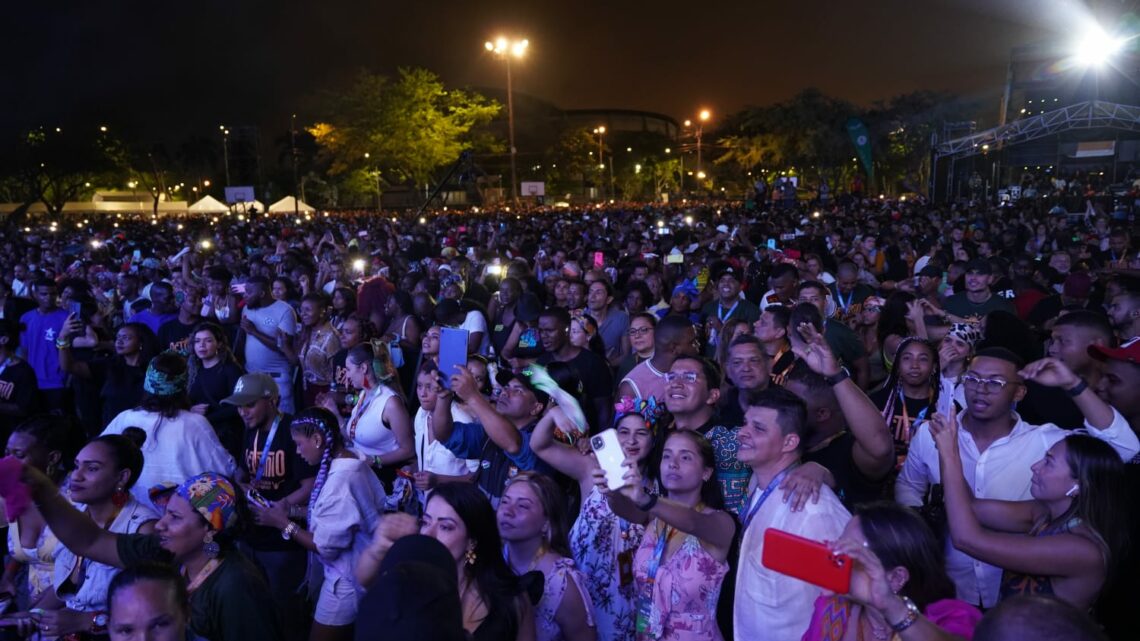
{"x": 770, "y": 606}
{"x": 265, "y": 326}
{"x": 998, "y": 448}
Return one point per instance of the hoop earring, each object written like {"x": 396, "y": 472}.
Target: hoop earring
{"x": 210, "y": 546}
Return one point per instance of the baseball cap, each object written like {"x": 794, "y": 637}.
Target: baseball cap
{"x": 252, "y": 387}
{"x": 506, "y": 376}
{"x": 1129, "y": 352}
{"x": 980, "y": 265}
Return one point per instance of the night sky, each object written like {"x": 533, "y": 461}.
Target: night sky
{"x": 170, "y": 68}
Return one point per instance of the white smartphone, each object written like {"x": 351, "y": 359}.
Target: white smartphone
{"x": 610, "y": 457}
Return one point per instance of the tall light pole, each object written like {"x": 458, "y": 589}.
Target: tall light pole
{"x": 600, "y": 131}
{"x": 293, "y": 144}
{"x": 702, "y": 118}
{"x": 226, "y": 151}
{"x": 507, "y": 49}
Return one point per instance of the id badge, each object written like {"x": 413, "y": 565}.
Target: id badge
{"x": 625, "y": 567}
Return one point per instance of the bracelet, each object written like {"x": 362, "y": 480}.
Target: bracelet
{"x": 62, "y": 344}
{"x": 1077, "y": 389}
{"x": 648, "y": 505}
{"x": 838, "y": 377}
{"x": 910, "y": 618}
{"x": 289, "y": 531}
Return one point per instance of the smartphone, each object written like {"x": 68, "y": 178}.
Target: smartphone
{"x": 452, "y": 352}
{"x": 136, "y": 256}
{"x": 75, "y": 309}
{"x": 599, "y": 260}
{"x": 806, "y": 560}
{"x": 771, "y": 243}
{"x": 610, "y": 457}
{"x": 255, "y": 497}
{"x": 675, "y": 259}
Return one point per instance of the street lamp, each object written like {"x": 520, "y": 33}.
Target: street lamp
{"x": 226, "y": 150}
{"x": 702, "y": 118}
{"x": 507, "y": 49}
{"x": 600, "y": 131}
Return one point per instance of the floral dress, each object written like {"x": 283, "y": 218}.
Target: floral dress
{"x": 556, "y": 583}
{"x": 599, "y": 540}
{"x": 684, "y": 592}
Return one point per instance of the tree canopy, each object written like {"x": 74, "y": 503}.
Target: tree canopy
{"x": 405, "y": 129}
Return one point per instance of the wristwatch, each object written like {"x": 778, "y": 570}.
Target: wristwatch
{"x": 99, "y": 623}
{"x": 912, "y": 613}
{"x": 837, "y": 378}
{"x": 1077, "y": 389}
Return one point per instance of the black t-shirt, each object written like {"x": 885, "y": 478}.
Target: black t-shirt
{"x": 210, "y": 386}
{"x": 17, "y": 386}
{"x": 904, "y": 418}
{"x": 233, "y": 603}
{"x": 1049, "y": 405}
{"x": 284, "y": 471}
{"x": 122, "y": 385}
{"x": 597, "y": 381}
{"x": 176, "y": 336}
{"x": 851, "y": 485}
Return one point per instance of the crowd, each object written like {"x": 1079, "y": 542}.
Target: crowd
{"x": 378, "y": 426}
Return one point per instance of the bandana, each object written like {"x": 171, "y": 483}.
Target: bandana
{"x": 161, "y": 384}
{"x": 687, "y": 288}
{"x": 968, "y": 333}
{"x": 209, "y": 494}
{"x": 452, "y": 279}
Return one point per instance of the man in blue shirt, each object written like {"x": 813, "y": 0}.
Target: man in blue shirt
{"x": 500, "y": 439}
{"x": 38, "y": 344}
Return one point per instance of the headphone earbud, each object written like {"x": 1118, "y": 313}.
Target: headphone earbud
{"x": 1073, "y": 490}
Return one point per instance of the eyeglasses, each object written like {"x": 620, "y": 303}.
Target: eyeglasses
{"x": 688, "y": 377}
{"x": 986, "y": 384}
{"x": 639, "y": 331}
{"x": 872, "y": 308}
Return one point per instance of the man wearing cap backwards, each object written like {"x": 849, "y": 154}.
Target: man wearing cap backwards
{"x": 977, "y": 300}
{"x": 271, "y": 467}
{"x": 999, "y": 448}
{"x": 729, "y": 304}
{"x": 500, "y": 436}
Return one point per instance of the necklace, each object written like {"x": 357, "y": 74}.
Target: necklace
{"x": 202, "y": 574}
{"x": 538, "y": 554}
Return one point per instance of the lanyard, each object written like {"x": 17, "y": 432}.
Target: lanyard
{"x": 265, "y": 451}
{"x": 5, "y": 364}
{"x": 754, "y": 506}
{"x": 839, "y": 297}
{"x": 645, "y": 601}
{"x": 720, "y": 314}
{"x": 361, "y": 407}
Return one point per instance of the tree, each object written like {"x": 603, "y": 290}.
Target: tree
{"x": 571, "y": 160}
{"x": 406, "y": 129}
{"x": 53, "y": 166}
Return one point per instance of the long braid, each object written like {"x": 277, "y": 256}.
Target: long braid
{"x": 320, "y": 420}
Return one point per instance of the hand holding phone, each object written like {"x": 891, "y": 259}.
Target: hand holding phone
{"x": 611, "y": 458}
{"x": 452, "y": 352}
{"x": 806, "y": 560}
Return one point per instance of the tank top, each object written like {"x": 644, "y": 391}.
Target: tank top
{"x": 365, "y": 430}
{"x": 646, "y": 382}
{"x": 1015, "y": 583}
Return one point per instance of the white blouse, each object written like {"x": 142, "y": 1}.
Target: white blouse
{"x": 365, "y": 431}
{"x": 432, "y": 455}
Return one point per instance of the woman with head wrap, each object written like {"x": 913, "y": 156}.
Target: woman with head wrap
{"x": 953, "y": 354}
{"x": 229, "y": 600}
{"x": 179, "y": 443}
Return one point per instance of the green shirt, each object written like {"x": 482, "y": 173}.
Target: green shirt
{"x": 844, "y": 343}
{"x": 232, "y": 604}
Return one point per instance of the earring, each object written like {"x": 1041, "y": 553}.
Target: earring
{"x": 210, "y": 546}
{"x": 470, "y": 557}
{"x": 119, "y": 498}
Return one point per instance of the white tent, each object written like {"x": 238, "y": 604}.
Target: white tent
{"x": 208, "y": 205}
{"x": 287, "y": 205}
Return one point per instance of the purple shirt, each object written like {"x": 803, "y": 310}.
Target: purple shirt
{"x": 38, "y": 342}
{"x": 152, "y": 320}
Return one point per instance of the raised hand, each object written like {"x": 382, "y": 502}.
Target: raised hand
{"x": 1051, "y": 373}
{"x": 815, "y": 351}
{"x": 944, "y": 430}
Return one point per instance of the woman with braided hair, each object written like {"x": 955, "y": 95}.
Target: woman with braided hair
{"x": 379, "y": 427}
{"x": 344, "y": 509}
{"x": 910, "y": 394}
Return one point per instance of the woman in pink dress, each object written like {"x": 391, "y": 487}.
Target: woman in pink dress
{"x": 682, "y": 560}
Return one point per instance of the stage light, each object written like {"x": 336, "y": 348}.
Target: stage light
{"x": 1096, "y": 47}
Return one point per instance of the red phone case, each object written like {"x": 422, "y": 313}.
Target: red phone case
{"x": 806, "y": 560}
